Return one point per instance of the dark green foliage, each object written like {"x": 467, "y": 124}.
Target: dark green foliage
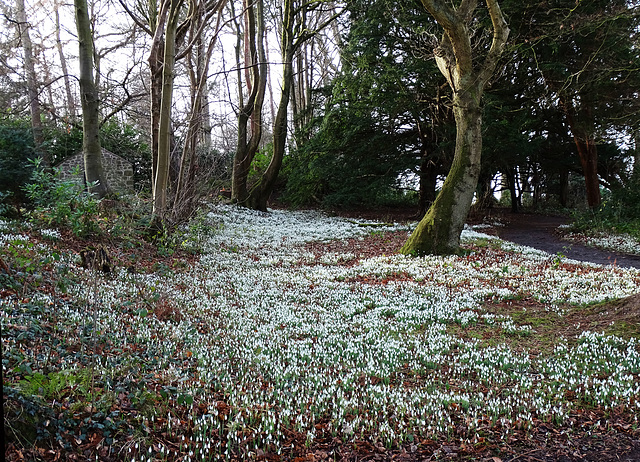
{"x": 260, "y": 163}
{"x": 618, "y": 213}
{"x": 62, "y": 141}
{"x": 383, "y": 115}
{"x": 16, "y": 148}
{"x": 349, "y": 162}
{"x": 128, "y": 142}
{"x": 570, "y": 73}
{"x": 121, "y": 139}
{"x": 61, "y": 203}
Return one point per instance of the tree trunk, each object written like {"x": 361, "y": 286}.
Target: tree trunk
{"x": 428, "y": 184}
{"x": 439, "y": 231}
{"x": 512, "y": 182}
{"x": 272, "y": 106}
{"x": 32, "y": 83}
{"x": 586, "y": 145}
{"x": 260, "y": 193}
{"x": 156, "y": 24}
{"x": 94, "y": 173}
{"x": 294, "y": 34}
{"x": 71, "y": 103}
{"x": 588, "y": 153}
{"x": 161, "y": 184}
{"x": 250, "y": 115}
{"x": 564, "y": 187}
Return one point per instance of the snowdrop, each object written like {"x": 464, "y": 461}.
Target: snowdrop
{"x": 291, "y": 340}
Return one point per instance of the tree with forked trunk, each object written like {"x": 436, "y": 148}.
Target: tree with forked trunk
{"x": 439, "y": 231}
{"x": 296, "y": 30}
{"x": 250, "y": 113}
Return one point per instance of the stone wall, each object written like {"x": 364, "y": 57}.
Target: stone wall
{"x": 118, "y": 170}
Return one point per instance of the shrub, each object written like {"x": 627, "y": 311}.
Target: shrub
{"x": 16, "y": 146}
{"x": 61, "y": 203}
{"x": 618, "y": 213}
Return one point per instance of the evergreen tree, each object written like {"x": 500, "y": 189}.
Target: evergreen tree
{"x": 388, "y": 113}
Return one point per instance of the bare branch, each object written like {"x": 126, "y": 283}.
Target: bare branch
{"x": 135, "y": 19}
{"x": 500, "y": 35}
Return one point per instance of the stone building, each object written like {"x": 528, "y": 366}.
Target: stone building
{"x": 119, "y": 171}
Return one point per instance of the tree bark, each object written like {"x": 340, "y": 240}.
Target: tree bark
{"x": 71, "y": 103}
{"x": 588, "y": 154}
{"x": 439, "y": 231}
{"x": 428, "y": 183}
{"x": 587, "y": 151}
{"x": 157, "y": 25}
{"x": 563, "y": 196}
{"x": 161, "y": 183}
{"x": 94, "y": 173}
{"x": 32, "y": 82}
{"x": 512, "y": 182}
{"x": 250, "y": 134}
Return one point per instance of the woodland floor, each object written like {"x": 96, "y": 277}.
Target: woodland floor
{"x": 546, "y": 442}
{"x": 590, "y": 433}
{"x": 539, "y": 231}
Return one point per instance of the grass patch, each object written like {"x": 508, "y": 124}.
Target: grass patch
{"x": 620, "y": 317}
{"x": 553, "y": 324}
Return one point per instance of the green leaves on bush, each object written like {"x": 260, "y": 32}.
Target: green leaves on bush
{"x": 63, "y": 203}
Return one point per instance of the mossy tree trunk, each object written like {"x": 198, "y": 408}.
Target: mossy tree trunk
{"x": 91, "y": 148}
{"x": 439, "y": 230}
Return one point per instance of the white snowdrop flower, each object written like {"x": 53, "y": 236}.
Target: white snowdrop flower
{"x": 289, "y": 339}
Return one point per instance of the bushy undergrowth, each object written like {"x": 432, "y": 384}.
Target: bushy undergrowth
{"x": 16, "y": 145}
{"x": 619, "y": 213}
{"x": 60, "y": 202}
{"x": 60, "y": 205}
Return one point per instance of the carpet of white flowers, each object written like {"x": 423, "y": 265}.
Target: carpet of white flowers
{"x": 362, "y": 348}
{"x": 619, "y": 243}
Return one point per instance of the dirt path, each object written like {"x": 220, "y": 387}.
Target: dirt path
{"x": 539, "y": 231}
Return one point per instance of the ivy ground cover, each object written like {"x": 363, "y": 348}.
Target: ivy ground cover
{"x": 298, "y": 336}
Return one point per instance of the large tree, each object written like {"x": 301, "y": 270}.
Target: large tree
{"x": 94, "y": 173}
{"x": 583, "y": 53}
{"x": 250, "y": 111}
{"x": 178, "y": 29}
{"x": 439, "y": 231}
{"x": 170, "y": 10}
{"x": 301, "y": 20}
{"x": 383, "y": 122}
